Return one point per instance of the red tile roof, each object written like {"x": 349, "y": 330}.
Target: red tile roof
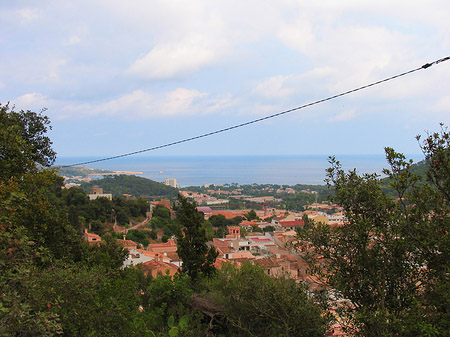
{"x": 291, "y": 223}
{"x": 267, "y": 262}
{"x": 226, "y": 214}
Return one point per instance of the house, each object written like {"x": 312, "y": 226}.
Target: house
{"x": 224, "y": 248}
{"x": 319, "y": 218}
{"x": 157, "y": 268}
{"x": 91, "y": 238}
{"x": 207, "y": 211}
{"x": 291, "y": 225}
{"x": 283, "y": 239}
{"x": 220, "y": 262}
{"x": 227, "y": 214}
{"x": 168, "y": 247}
{"x": 270, "y": 266}
{"x": 128, "y": 244}
{"x": 242, "y": 256}
{"x": 260, "y": 242}
{"x": 97, "y": 192}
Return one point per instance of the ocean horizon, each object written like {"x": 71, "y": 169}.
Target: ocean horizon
{"x": 220, "y": 170}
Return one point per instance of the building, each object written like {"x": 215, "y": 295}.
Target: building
{"x": 97, "y": 192}
{"x": 171, "y": 182}
{"x": 91, "y": 238}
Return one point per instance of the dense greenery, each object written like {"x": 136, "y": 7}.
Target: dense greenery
{"x": 83, "y": 211}
{"x": 391, "y": 260}
{"x": 132, "y": 185}
{"x": 255, "y": 304}
{"x": 198, "y": 258}
{"x": 23, "y": 143}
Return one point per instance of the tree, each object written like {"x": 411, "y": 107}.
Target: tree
{"x": 256, "y": 304}
{"x": 391, "y": 258}
{"x": 23, "y": 143}
{"x": 161, "y": 212}
{"x": 251, "y": 215}
{"x": 197, "y": 257}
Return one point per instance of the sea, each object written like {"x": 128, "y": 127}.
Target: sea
{"x": 220, "y": 170}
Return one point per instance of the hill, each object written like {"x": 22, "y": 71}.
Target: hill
{"x": 135, "y": 186}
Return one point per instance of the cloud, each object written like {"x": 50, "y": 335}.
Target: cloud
{"x": 274, "y": 87}
{"x": 136, "y": 105}
{"x": 27, "y": 14}
{"x": 167, "y": 60}
{"x": 142, "y": 105}
{"x": 32, "y": 101}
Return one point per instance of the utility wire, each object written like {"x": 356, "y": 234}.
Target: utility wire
{"x": 425, "y": 66}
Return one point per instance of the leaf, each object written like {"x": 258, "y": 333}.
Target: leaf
{"x": 183, "y": 323}
{"x": 174, "y": 331}
{"x": 171, "y": 321}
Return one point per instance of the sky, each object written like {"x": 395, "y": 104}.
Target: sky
{"x": 122, "y": 76}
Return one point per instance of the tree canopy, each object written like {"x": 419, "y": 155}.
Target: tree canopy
{"x": 197, "y": 257}
{"x": 391, "y": 258}
{"x": 23, "y": 143}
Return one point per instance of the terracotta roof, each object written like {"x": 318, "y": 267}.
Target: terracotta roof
{"x": 226, "y": 214}
{"x": 291, "y": 223}
{"x": 224, "y": 250}
{"x": 248, "y": 223}
{"x": 169, "y": 243}
{"x": 261, "y": 239}
{"x": 267, "y": 262}
{"x": 154, "y": 264}
{"x": 204, "y": 209}
{"x": 220, "y": 262}
{"x": 243, "y": 255}
{"x": 173, "y": 256}
{"x": 220, "y": 243}
{"x": 127, "y": 243}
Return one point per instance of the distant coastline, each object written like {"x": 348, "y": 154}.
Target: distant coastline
{"x": 270, "y": 169}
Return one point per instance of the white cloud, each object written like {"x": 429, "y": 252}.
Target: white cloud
{"x": 131, "y": 106}
{"x": 299, "y": 35}
{"x": 166, "y": 60}
{"x": 54, "y": 69}
{"x": 274, "y": 87}
{"x": 32, "y": 101}
{"x": 27, "y": 15}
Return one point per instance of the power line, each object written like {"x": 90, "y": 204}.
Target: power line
{"x": 425, "y": 66}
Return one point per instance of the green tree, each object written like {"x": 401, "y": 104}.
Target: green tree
{"x": 251, "y": 215}
{"x": 197, "y": 257}
{"x": 23, "y": 143}
{"x": 255, "y": 304}
{"x": 161, "y": 212}
{"x": 391, "y": 258}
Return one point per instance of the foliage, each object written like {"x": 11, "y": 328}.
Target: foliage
{"x": 221, "y": 221}
{"x": 258, "y": 305}
{"x": 391, "y": 259}
{"x": 109, "y": 253}
{"x": 23, "y": 144}
{"x": 269, "y": 229}
{"x": 101, "y": 210}
{"x": 129, "y": 184}
{"x": 197, "y": 257}
{"x": 140, "y": 236}
{"x": 168, "y": 301}
{"x": 251, "y": 215}
{"x": 161, "y": 212}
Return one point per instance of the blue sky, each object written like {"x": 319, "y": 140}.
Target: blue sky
{"x": 121, "y": 76}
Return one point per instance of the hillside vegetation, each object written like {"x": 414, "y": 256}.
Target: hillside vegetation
{"x": 132, "y": 185}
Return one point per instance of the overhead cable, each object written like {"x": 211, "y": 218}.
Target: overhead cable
{"x": 425, "y": 66}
